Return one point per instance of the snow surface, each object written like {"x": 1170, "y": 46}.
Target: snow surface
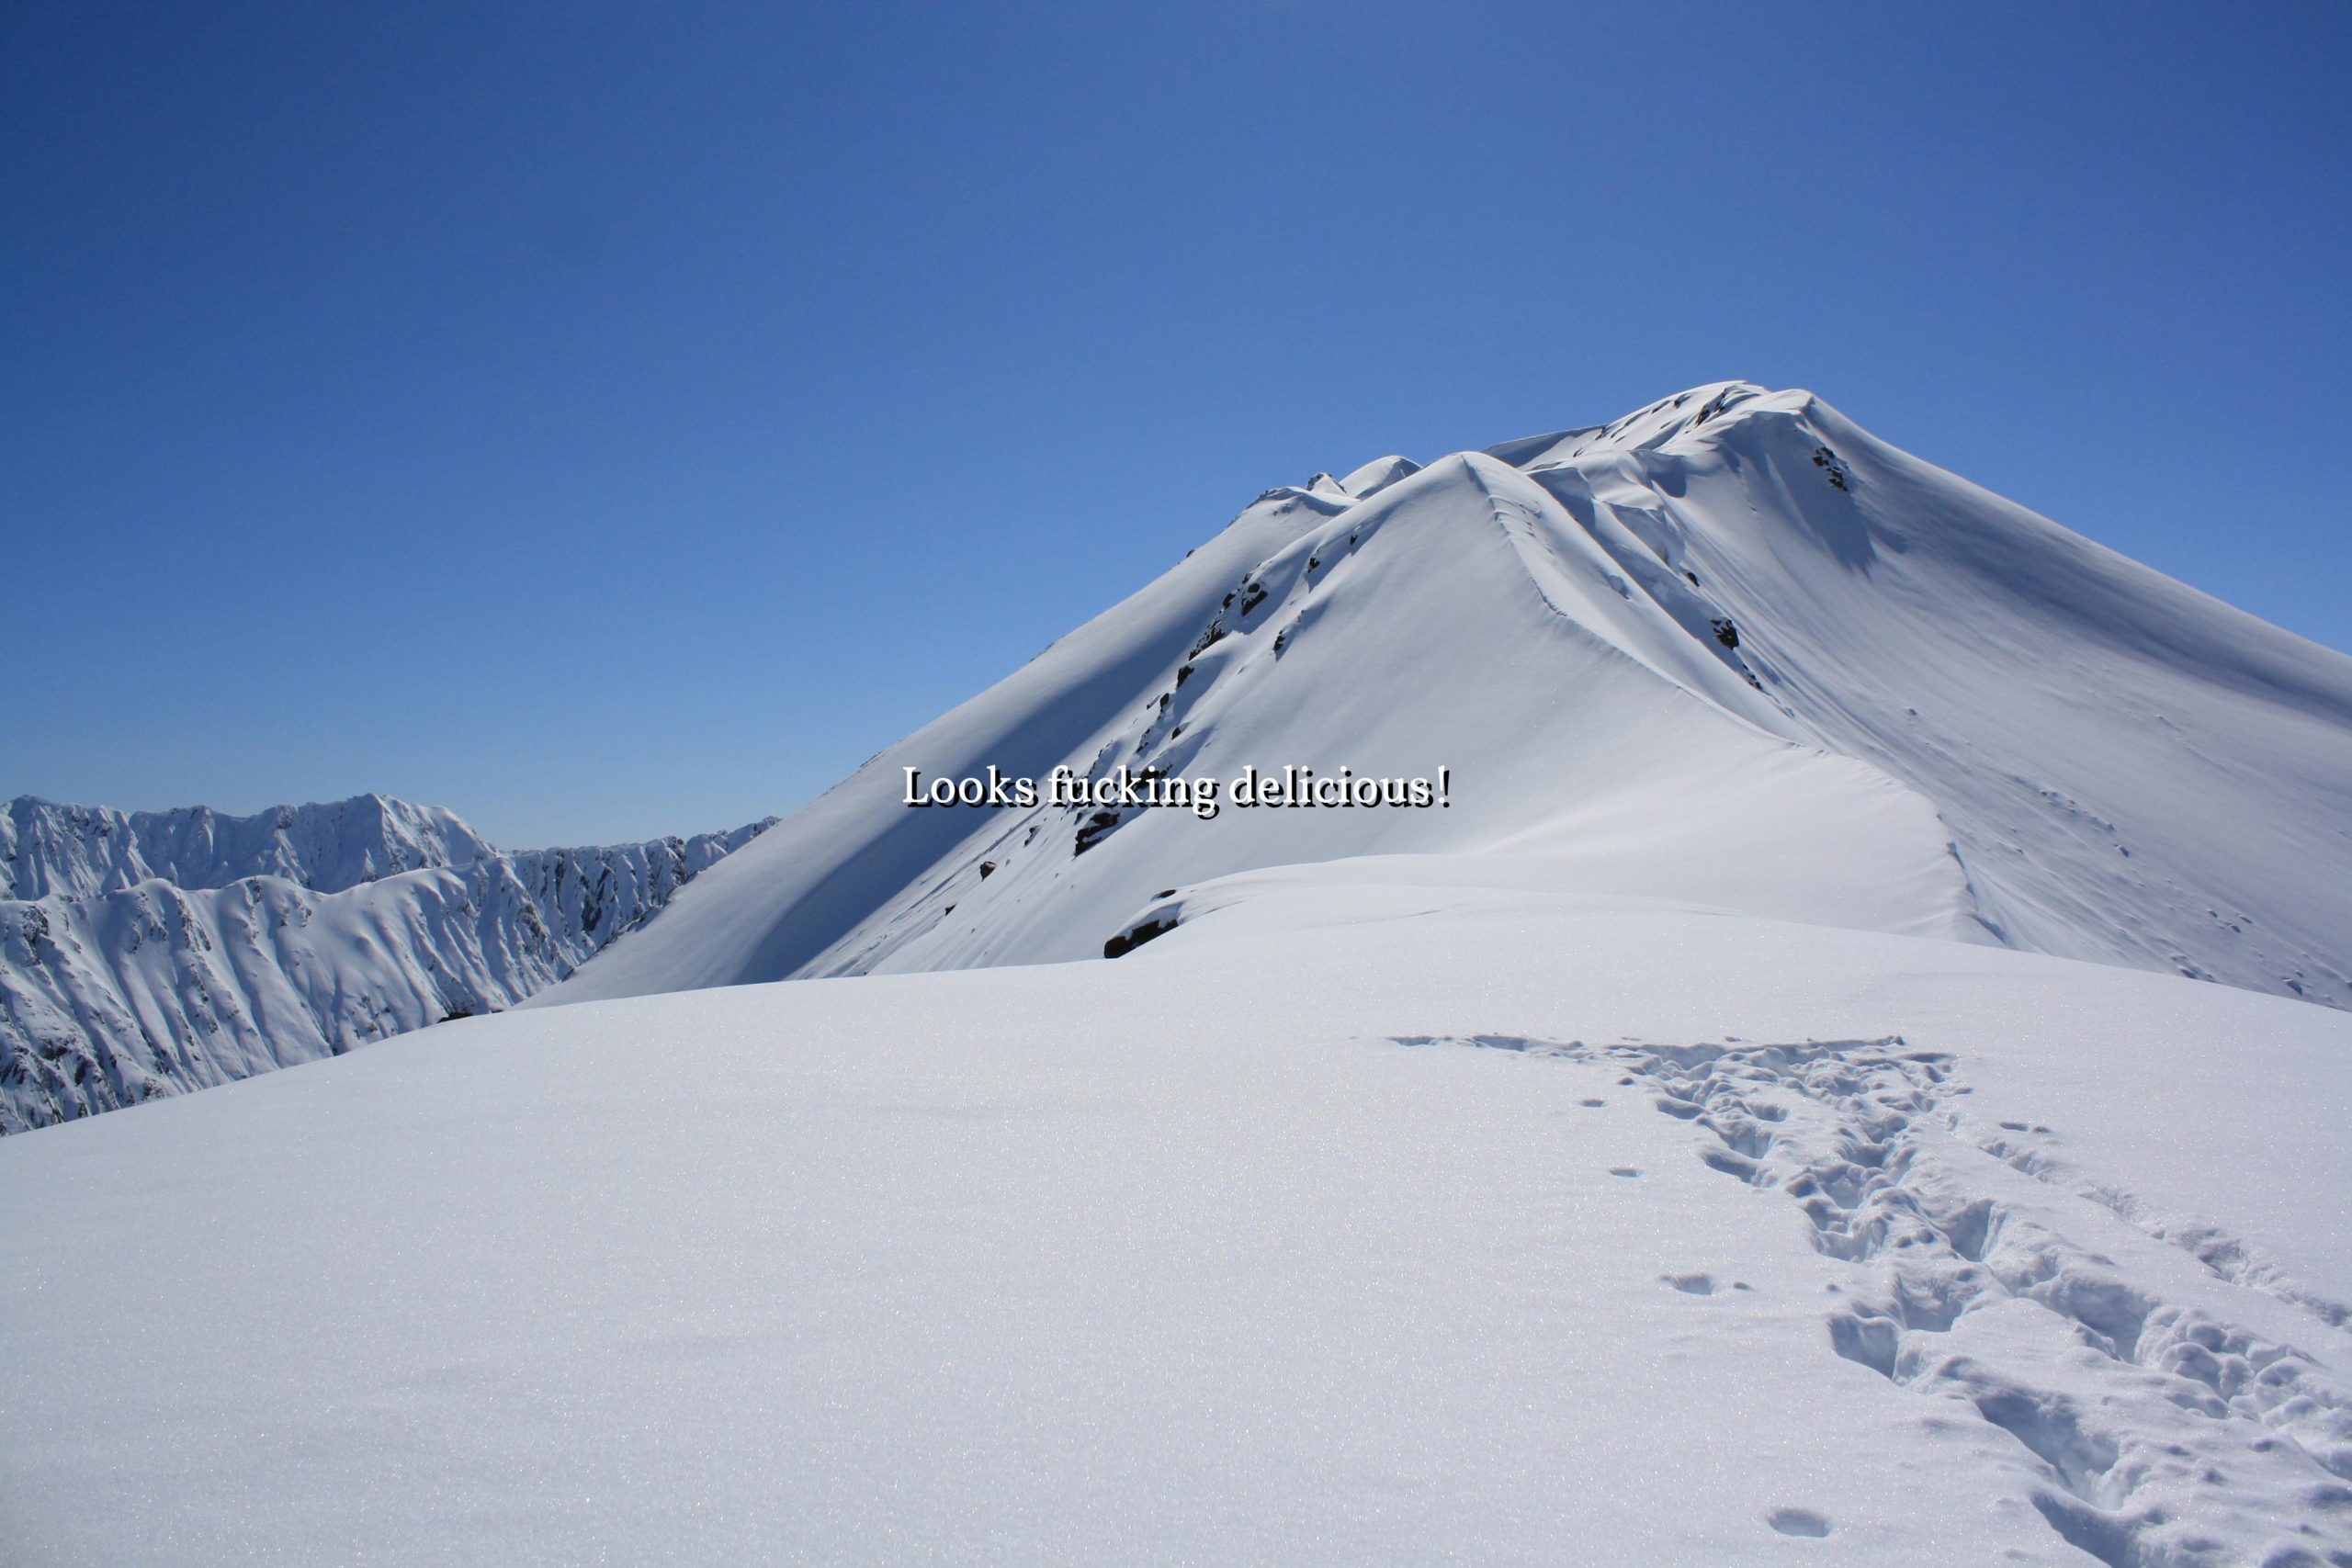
{"x": 169, "y": 951}
{"x": 2032, "y": 738}
{"x": 1702, "y": 1140}
{"x": 1352, "y": 1221}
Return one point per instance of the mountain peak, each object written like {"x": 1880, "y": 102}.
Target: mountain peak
{"x": 1728, "y": 648}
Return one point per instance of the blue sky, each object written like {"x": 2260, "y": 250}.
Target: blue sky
{"x": 615, "y": 420}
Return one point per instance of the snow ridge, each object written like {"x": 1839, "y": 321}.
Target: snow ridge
{"x": 1627, "y": 624}
{"x": 297, "y": 934}
{"x": 46, "y": 848}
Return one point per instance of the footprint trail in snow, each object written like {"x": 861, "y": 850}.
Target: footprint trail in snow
{"x": 2172, "y": 1406}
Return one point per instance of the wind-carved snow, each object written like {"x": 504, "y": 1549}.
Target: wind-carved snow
{"x": 1623, "y": 627}
{"x": 2166, "y": 1433}
{"x": 157, "y": 952}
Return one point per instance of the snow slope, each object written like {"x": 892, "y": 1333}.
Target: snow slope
{"x": 154, "y": 953}
{"x": 1374, "y": 1216}
{"x": 1730, "y": 647}
{"x": 1699, "y": 1140}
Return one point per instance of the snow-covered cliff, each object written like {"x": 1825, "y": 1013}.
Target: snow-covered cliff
{"x": 151, "y": 952}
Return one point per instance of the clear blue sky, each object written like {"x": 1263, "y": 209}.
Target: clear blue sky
{"x": 613, "y": 420}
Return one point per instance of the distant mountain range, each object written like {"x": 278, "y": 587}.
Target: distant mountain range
{"x": 151, "y": 952}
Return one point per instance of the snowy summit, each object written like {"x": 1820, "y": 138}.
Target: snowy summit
{"x": 1729, "y": 649}
{"x": 1850, "y": 1066}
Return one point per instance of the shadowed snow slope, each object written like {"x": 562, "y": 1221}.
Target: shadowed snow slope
{"x": 1731, "y": 647}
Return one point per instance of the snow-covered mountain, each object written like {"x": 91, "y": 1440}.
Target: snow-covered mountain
{"x": 1657, "y": 1150}
{"x": 148, "y": 953}
{"x": 1729, "y": 648}
{"x": 46, "y": 848}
